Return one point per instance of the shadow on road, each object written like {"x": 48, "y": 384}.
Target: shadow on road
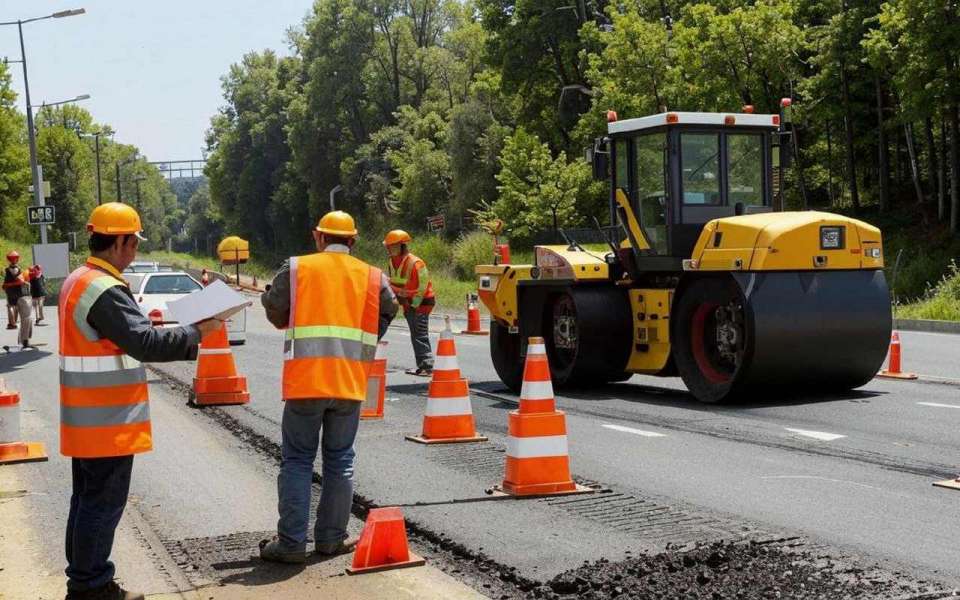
{"x": 14, "y": 361}
{"x": 259, "y": 572}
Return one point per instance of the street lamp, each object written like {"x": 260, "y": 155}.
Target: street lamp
{"x": 119, "y": 164}
{"x": 31, "y": 134}
{"x": 96, "y": 137}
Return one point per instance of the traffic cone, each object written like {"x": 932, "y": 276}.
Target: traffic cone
{"x": 217, "y": 381}
{"x": 449, "y": 416}
{"x": 383, "y": 544}
{"x": 12, "y": 448}
{"x": 537, "y": 459}
{"x": 893, "y": 364}
{"x": 376, "y": 385}
{"x": 473, "y": 318}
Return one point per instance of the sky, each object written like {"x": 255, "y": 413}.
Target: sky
{"x": 152, "y": 68}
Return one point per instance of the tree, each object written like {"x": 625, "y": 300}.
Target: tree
{"x": 14, "y": 163}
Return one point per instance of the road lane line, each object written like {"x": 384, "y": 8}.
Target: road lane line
{"x": 640, "y": 432}
{"x": 818, "y": 478}
{"x": 938, "y": 405}
{"x": 817, "y": 435}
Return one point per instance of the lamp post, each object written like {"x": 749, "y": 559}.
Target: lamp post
{"x": 119, "y": 164}
{"x": 31, "y": 134}
{"x": 96, "y": 145}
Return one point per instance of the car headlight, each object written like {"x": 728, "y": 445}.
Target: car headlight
{"x": 831, "y": 238}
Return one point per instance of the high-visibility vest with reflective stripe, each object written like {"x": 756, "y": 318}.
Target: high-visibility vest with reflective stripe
{"x": 331, "y": 339}
{"x": 104, "y": 409}
{"x": 411, "y": 280}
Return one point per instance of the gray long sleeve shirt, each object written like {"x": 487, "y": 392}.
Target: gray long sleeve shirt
{"x": 116, "y": 317}
{"x": 276, "y": 300}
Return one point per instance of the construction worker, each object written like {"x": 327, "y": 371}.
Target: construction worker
{"x": 334, "y": 308}
{"x": 411, "y": 283}
{"x": 13, "y": 286}
{"x": 104, "y": 410}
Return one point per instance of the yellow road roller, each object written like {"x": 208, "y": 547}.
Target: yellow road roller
{"x": 701, "y": 273}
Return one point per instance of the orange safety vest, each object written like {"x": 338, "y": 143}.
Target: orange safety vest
{"x": 331, "y": 339}
{"x": 104, "y": 409}
{"x": 411, "y": 280}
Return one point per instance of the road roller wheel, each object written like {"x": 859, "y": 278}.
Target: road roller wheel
{"x": 710, "y": 338}
{"x": 505, "y": 354}
{"x": 587, "y": 342}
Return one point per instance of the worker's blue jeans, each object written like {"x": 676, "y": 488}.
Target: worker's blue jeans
{"x": 303, "y": 423}
{"x": 419, "y": 324}
{"x": 100, "y": 487}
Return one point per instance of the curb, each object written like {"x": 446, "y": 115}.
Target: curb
{"x": 927, "y": 325}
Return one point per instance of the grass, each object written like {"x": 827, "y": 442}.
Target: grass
{"x": 941, "y": 302}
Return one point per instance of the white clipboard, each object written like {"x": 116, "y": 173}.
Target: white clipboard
{"x": 216, "y": 301}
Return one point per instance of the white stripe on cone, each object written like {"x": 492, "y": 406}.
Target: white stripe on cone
{"x": 537, "y": 447}
{"x": 97, "y": 364}
{"x": 448, "y": 407}
{"x": 214, "y": 350}
{"x": 536, "y": 349}
{"x": 445, "y": 363}
{"x": 536, "y": 390}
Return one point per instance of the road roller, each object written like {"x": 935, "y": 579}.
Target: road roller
{"x": 700, "y": 274}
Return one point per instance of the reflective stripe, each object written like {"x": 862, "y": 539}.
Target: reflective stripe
{"x": 102, "y": 416}
{"x": 98, "y": 379}
{"x": 448, "y": 407}
{"x": 537, "y": 447}
{"x": 86, "y": 301}
{"x": 536, "y": 390}
{"x": 96, "y": 364}
{"x": 332, "y": 331}
{"x": 214, "y": 351}
{"x": 536, "y": 349}
{"x": 328, "y": 347}
{"x": 293, "y": 290}
{"x": 445, "y": 363}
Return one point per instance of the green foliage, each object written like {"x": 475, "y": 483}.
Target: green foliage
{"x": 14, "y": 163}
{"x": 470, "y": 250}
{"x": 436, "y": 252}
{"x": 941, "y": 302}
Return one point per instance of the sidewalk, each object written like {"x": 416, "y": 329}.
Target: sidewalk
{"x": 198, "y": 504}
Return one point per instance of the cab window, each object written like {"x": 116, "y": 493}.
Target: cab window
{"x": 650, "y": 152}
{"x": 745, "y": 170}
{"x": 700, "y": 168}
{"x": 623, "y": 167}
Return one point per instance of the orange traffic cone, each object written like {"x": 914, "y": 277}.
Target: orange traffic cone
{"x": 376, "y": 385}
{"x": 383, "y": 544}
{"x": 473, "y": 318}
{"x": 893, "y": 364}
{"x": 217, "y": 381}
{"x": 449, "y": 416}
{"x": 12, "y": 449}
{"x": 537, "y": 459}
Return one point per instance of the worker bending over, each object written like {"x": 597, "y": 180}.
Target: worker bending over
{"x": 104, "y": 409}
{"x": 334, "y": 308}
{"x": 410, "y": 281}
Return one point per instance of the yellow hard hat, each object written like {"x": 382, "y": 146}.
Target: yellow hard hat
{"x": 397, "y": 236}
{"x": 115, "y": 218}
{"x": 337, "y": 223}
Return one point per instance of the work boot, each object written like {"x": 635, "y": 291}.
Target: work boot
{"x": 11, "y": 326}
{"x": 272, "y": 551}
{"x": 111, "y": 591}
{"x": 333, "y": 549}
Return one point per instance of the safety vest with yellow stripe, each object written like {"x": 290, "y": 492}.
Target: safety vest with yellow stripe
{"x": 411, "y": 280}
{"x": 104, "y": 409}
{"x": 331, "y": 339}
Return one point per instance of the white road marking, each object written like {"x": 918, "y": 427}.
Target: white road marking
{"x": 634, "y": 431}
{"x": 938, "y": 405}
{"x": 814, "y": 477}
{"x": 817, "y": 435}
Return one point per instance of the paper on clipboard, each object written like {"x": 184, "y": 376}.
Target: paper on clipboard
{"x": 217, "y": 300}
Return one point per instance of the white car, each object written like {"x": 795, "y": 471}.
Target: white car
{"x": 152, "y": 291}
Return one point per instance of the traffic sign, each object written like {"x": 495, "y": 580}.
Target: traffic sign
{"x": 436, "y": 223}
{"x": 41, "y": 215}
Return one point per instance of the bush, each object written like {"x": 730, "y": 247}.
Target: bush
{"x": 435, "y": 251}
{"x": 470, "y": 250}
{"x": 941, "y": 302}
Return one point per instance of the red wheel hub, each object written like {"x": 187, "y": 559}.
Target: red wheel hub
{"x": 698, "y": 344}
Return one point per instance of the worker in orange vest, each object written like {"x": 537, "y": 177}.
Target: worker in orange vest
{"x": 104, "y": 409}
{"x": 334, "y": 308}
{"x": 410, "y": 281}
{"x": 13, "y": 285}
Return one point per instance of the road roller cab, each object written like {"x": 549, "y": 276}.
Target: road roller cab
{"x": 703, "y": 275}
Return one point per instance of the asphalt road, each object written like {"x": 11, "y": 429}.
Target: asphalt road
{"x": 851, "y": 472}
{"x": 849, "y": 475}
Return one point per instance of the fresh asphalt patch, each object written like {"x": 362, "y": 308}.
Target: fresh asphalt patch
{"x": 681, "y": 551}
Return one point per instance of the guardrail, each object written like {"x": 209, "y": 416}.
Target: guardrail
{"x": 927, "y": 325}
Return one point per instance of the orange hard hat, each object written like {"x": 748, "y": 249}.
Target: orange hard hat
{"x": 397, "y": 236}
{"x": 337, "y": 223}
{"x": 13, "y": 256}
{"x": 115, "y": 218}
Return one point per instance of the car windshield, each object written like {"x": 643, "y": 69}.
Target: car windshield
{"x": 171, "y": 284}
{"x": 135, "y": 281}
